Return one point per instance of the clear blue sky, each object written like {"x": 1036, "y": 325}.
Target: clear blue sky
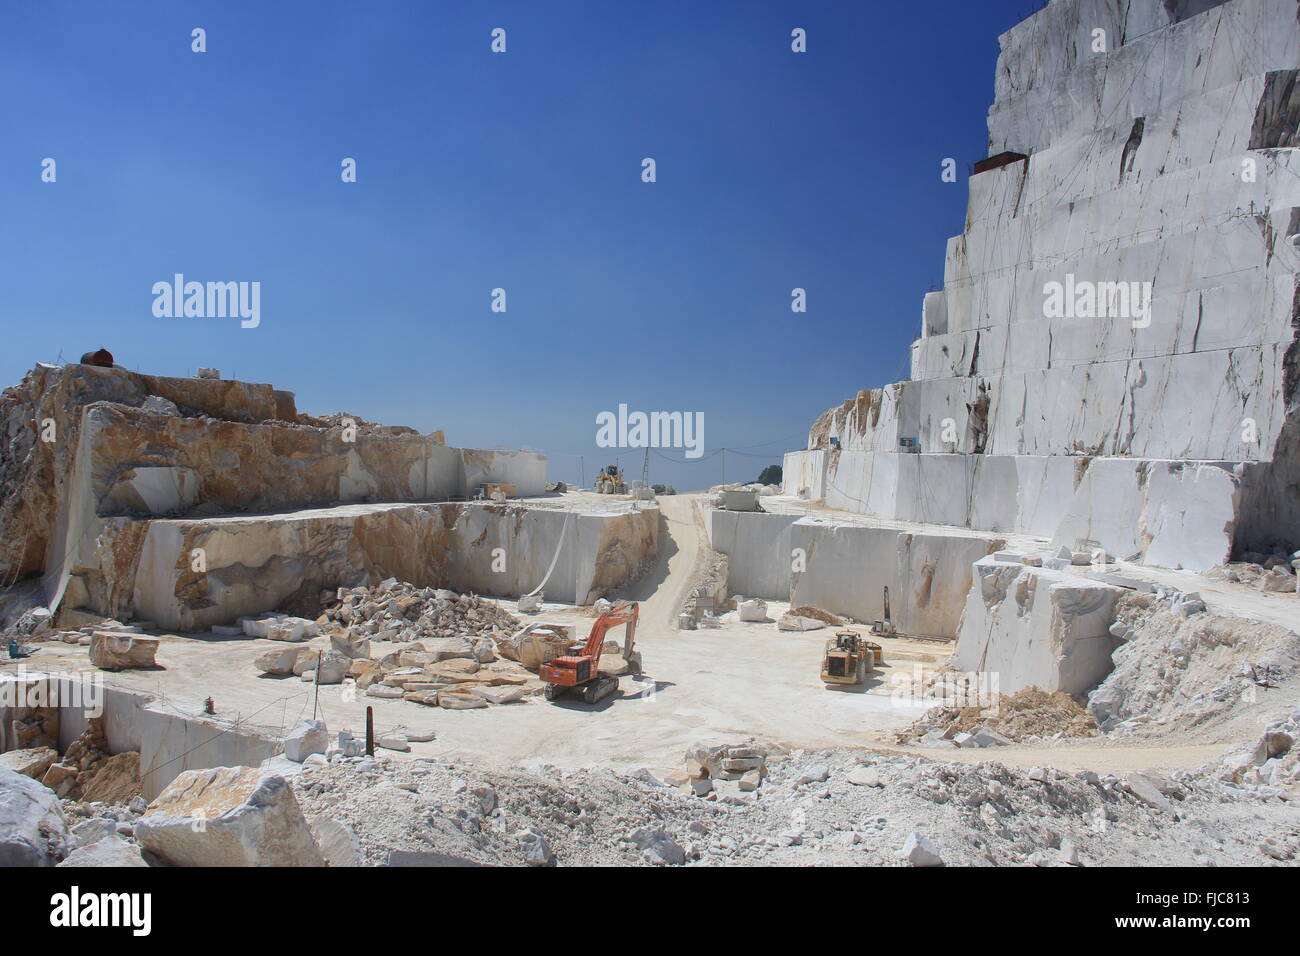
{"x": 479, "y": 170}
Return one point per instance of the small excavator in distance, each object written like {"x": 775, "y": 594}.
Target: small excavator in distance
{"x": 579, "y": 671}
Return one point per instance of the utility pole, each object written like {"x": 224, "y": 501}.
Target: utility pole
{"x": 723, "y": 456}
{"x": 645, "y": 468}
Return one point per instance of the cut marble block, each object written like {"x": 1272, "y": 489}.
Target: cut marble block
{"x": 1037, "y": 627}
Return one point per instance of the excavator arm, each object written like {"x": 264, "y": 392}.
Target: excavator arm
{"x": 623, "y": 614}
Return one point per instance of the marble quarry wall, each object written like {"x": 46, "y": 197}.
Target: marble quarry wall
{"x": 844, "y": 568}
{"x": 1159, "y": 194}
{"x": 256, "y": 563}
{"x": 107, "y": 471}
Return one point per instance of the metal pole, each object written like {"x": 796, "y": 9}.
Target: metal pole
{"x": 370, "y": 731}
{"x": 317, "y": 683}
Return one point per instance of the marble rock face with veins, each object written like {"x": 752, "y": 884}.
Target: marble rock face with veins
{"x": 1167, "y": 165}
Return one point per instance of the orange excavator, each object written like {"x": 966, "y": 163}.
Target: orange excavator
{"x": 580, "y": 670}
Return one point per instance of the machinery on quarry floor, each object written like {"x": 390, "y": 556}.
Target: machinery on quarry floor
{"x": 580, "y": 670}
{"x": 885, "y": 628}
{"x": 610, "y": 481}
{"x": 849, "y": 658}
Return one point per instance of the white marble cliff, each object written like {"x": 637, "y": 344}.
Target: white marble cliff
{"x": 1114, "y": 359}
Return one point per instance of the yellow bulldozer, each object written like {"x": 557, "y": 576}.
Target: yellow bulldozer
{"x": 850, "y": 658}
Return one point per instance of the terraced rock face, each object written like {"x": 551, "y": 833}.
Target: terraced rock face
{"x": 40, "y": 432}
{"x": 1122, "y": 301}
{"x": 91, "y": 457}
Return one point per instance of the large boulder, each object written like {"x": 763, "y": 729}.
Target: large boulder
{"x": 332, "y": 667}
{"x": 33, "y": 831}
{"x": 279, "y": 661}
{"x": 228, "y": 816}
{"x": 31, "y": 762}
{"x": 352, "y": 646}
{"x": 118, "y": 651}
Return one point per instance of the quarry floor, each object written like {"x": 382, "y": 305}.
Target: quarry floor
{"x": 741, "y": 679}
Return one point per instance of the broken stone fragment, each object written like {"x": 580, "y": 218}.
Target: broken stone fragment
{"x": 794, "y": 622}
{"x": 536, "y": 851}
{"x": 257, "y": 626}
{"x": 116, "y": 651}
{"x": 1274, "y": 743}
{"x": 1147, "y": 790}
{"x": 291, "y": 629}
{"x": 500, "y": 695}
{"x": 332, "y": 667}
{"x": 350, "y": 645}
{"x": 917, "y": 850}
{"x": 428, "y": 696}
{"x": 112, "y": 851}
{"x": 90, "y": 831}
{"x": 228, "y": 816}
{"x": 362, "y": 670}
{"x": 337, "y": 841}
{"x": 459, "y": 700}
{"x": 458, "y": 667}
{"x": 865, "y": 777}
{"x": 449, "y": 648}
{"x": 816, "y": 773}
{"x": 402, "y": 675}
{"x": 307, "y": 737}
{"x": 657, "y": 846}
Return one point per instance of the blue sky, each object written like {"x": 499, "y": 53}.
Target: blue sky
{"x": 476, "y": 171}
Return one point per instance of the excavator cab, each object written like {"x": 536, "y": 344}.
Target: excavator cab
{"x": 579, "y": 671}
